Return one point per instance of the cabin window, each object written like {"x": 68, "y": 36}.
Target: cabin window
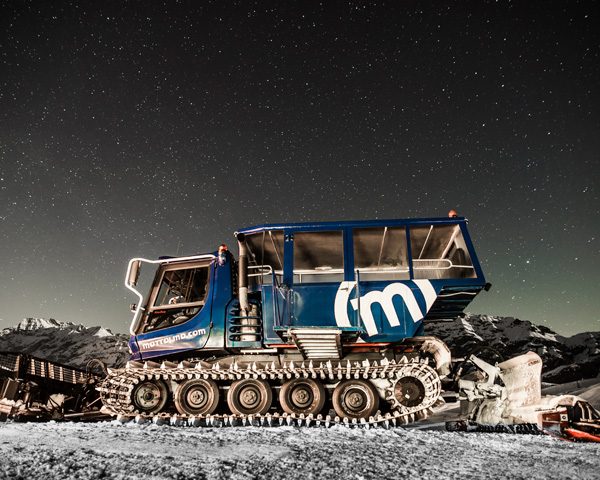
{"x": 180, "y": 295}
{"x": 318, "y": 257}
{"x": 380, "y": 253}
{"x": 265, "y": 252}
{"x": 439, "y": 251}
{"x": 182, "y": 286}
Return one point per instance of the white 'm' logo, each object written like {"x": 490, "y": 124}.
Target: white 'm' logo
{"x": 385, "y": 299}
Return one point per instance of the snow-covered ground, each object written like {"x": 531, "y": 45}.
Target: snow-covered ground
{"x": 422, "y": 451}
{"x": 113, "y": 450}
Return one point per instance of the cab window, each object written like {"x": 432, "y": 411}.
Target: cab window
{"x": 380, "y": 253}
{"x": 178, "y": 295}
{"x": 318, "y": 257}
{"x": 265, "y": 251}
{"x": 439, "y": 251}
{"x": 182, "y": 286}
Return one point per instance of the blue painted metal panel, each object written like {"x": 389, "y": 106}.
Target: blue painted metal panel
{"x": 348, "y": 255}
{"x": 381, "y": 309}
{"x": 270, "y": 313}
{"x": 192, "y": 335}
{"x": 288, "y": 257}
{"x": 313, "y": 304}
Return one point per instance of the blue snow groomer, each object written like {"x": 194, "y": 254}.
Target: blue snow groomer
{"x": 327, "y": 295}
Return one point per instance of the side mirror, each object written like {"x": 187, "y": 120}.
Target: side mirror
{"x": 134, "y": 273}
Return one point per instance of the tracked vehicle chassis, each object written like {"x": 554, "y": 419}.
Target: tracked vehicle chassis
{"x": 387, "y": 392}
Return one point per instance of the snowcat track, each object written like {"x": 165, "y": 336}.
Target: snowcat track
{"x": 116, "y": 391}
{"x": 516, "y": 428}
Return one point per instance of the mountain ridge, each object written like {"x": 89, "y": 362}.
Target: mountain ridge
{"x": 65, "y": 342}
{"x": 565, "y": 359}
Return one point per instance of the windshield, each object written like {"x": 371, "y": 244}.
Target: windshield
{"x": 178, "y": 293}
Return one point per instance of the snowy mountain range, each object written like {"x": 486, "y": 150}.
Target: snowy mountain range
{"x": 493, "y": 338}
{"x": 66, "y": 343}
{"x": 565, "y": 359}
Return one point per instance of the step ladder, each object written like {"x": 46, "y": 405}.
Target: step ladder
{"x": 317, "y": 343}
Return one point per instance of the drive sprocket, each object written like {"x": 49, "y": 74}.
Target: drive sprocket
{"x": 415, "y": 388}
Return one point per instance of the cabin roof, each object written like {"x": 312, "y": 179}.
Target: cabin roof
{"x": 352, "y": 224}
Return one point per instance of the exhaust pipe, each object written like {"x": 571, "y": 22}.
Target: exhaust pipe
{"x": 243, "y": 274}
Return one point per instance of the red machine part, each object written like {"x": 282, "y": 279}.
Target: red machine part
{"x": 578, "y": 435}
{"x": 578, "y": 423}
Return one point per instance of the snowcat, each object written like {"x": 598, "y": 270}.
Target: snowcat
{"x": 311, "y": 316}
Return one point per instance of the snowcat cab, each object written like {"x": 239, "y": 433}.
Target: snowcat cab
{"x": 178, "y": 314}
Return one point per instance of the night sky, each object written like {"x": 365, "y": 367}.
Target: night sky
{"x": 156, "y": 128}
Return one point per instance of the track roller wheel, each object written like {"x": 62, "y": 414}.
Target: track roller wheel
{"x": 197, "y": 397}
{"x": 249, "y": 397}
{"x": 302, "y": 396}
{"x": 355, "y": 399}
{"x": 150, "y": 396}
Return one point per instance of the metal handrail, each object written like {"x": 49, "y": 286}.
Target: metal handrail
{"x": 383, "y": 269}
{"x": 438, "y": 260}
{"x": 268, "y": 268}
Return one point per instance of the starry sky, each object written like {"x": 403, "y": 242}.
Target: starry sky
{"x": 158, "y": 128}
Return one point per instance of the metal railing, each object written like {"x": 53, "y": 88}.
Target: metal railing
{"x": 436, "y": 264}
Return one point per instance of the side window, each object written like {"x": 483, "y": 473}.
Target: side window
{"x": 318, "y": 257}
{"x": 439, "y": 251}
{"x": 380, "y": 253}
{"x": 180, "y": 295}
{"x": 265, "y": 255}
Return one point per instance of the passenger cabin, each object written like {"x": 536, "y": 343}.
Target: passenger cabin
{"x": 374, "y": 280}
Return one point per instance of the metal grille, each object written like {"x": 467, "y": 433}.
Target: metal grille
{"x": 9, "y": 363}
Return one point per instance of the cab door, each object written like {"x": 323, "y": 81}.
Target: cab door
{"x": 178, "y": 314}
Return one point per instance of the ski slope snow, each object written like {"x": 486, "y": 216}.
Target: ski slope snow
{"x": 114, "y": 450}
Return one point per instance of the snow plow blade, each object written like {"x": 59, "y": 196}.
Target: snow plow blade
{"x": 503, "y": 392}
{"x": 522, "y": 379}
